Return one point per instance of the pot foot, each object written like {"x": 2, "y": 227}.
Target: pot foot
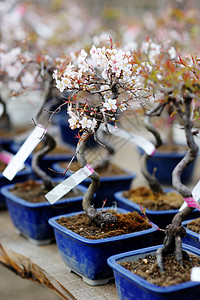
{"x": 35, "y": 242}
{"x": 90, "y": 281}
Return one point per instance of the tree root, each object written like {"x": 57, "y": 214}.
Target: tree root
{"x": 101, "y": 218}
{"x": 172, "y": 245}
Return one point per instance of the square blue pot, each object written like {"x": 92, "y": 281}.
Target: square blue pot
{"x": 165, "y": 162}
{"x": 21, "y": 176}
{"x": 131, "y": 286}
{"x": 31, "y": 219}
{"x": 109, "y": 185}
{"x": 192, "y": 238}
{"x": 88, "y": 257}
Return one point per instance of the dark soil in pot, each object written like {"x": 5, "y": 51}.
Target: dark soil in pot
{"x": 174, "y": 273}
{"x": 126, "y": 223}
{"x": 2, "y": 166}
{"x": 12, "y": 132}
{"x": 108, "y": 170}
{"x": 57, "y": 150}
{"x": 34, "y": 192}
{"x": 172, "y": 148}
{"x": 194, "y": 225}
{"x": 144, "y": 196}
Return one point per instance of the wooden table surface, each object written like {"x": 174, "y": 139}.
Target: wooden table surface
{"x": 44, "y": 265}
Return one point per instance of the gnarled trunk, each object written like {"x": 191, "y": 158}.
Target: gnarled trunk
{"x": 100, "y": 218}
{"x": 152, "y": 180}
{"x": 175, "y": 232}
{"x": 5, "y": 122}
{"x": 49, "y": 144}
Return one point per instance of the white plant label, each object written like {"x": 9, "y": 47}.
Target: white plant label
{"x": 68, "y": 184}
{"x": 25, "y": 150}
{"x": 194, "y": 200}
{"x": 140, "y": 141}
{"x": 195, "y": 274}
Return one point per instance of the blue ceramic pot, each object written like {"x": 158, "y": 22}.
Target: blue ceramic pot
{"x": 164, "y": 164}
{"x": 88, "y": 257}
{"x": 31, "y": 219}
{"x": 108, "y": 185}
{"x": 160, "y": 217}
{"x": 130, "y": 286}
{"x": 6, "y": 143}
{"x": 21, "y": 176}
{"x": 191, "y": 238}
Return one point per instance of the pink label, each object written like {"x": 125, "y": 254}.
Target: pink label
{"x": 89, "y": 168}
{"x": 5, "y": 157}
{"x": 191, "y": 202}
{"x": 153, "y": 152}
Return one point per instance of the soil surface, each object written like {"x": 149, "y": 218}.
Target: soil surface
{"x": 108, "y": 170}
{"x": 126, "y": 223}
{"x": 174, "y": 273}
{"x": 194, "y": 225}
{"x": 172, "y": 148}
{"x": 143, "y": 195}
{"x": 2, "y": 166}
{"x": 12, "y": 132}
{"x": 34, "y": 192}
{"x": 58, "y": 149}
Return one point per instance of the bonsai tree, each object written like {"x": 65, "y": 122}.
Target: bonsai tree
{"x": 177, "y": 83}
{"x": 151, "y": 57}
{"x": 102, "y": 82}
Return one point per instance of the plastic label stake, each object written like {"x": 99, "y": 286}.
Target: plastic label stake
{"x": 25, "y": 150}
{"x": 194, "y": 200}
{"x": 195, "y": 274}
{"x": 191, "y": 202}
{"x": 68, "y": 184}
{"x": 140, "y": 141}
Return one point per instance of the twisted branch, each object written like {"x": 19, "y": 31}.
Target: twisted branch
{"x": 100, "y": 218}
{"x": 5, "y": 122}
{"x": 49, "y": 144}
{"x": 175, "y": 232}
{"x": 152, "y": 180}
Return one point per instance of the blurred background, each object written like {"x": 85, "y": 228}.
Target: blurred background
{"x": 58, "y": 27}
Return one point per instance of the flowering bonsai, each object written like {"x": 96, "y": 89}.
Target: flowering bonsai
{"x": 177, "y": 83}
{"x": 102, "y": 82}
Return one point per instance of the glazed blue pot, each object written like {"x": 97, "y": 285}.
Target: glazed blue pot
{"x": 88, "y": 257}
{"x": 160, "y": 217}
{"x": 21, "y": 176}
{"x": 108, "y": 185}
{"x": 31, "y": 219}
{"x": 164, "y": 164}
{"x": 6, "y": 143}
{"x": 191, "y": 238}
{"x": 130, "y": 286}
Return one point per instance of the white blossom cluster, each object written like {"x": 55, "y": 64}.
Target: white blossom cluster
{"x": 153, "y": 50}
{"x": 111, "y": 65}
{"x": 97, "y": 73}
{"x": 11, "y": 64}
{"x": 19, "y": 70}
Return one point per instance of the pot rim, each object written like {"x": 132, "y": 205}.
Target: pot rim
{"x": 112, "y": 262}
{"x": 6, "y": 193}
{"x": 70, "y": 233}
